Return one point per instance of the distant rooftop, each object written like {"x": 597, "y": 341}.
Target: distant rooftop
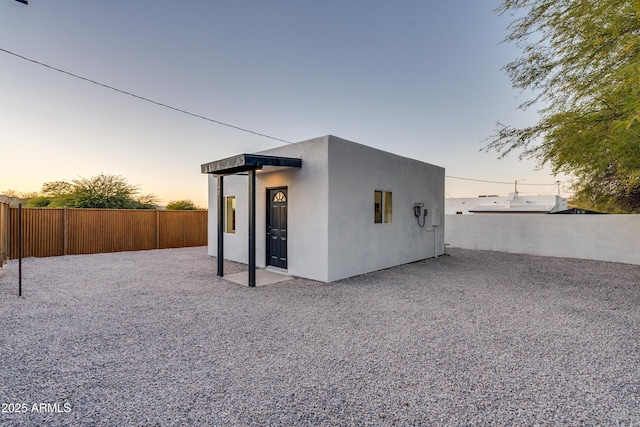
{"x": 513, "y": 203}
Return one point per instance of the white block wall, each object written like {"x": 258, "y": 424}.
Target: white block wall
{"x": 599, "y": 237}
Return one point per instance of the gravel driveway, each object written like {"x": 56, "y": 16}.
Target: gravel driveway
{"x": 154, "y": 338}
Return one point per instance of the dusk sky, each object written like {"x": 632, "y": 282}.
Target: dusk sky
{"x": 422, "y": 79}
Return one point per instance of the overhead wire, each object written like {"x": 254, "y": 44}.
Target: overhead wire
{"x": 496, "y": 182}
{"x": 180, "y": 110}
{"x": 161, "y": 104}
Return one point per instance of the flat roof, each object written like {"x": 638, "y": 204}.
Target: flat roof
{"x": 513, "y": 209}
{"x": 247, "y": 162}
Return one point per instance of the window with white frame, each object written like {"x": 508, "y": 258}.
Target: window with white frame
{"x": 382, "y": 206}
{"x": 230, "y": 214}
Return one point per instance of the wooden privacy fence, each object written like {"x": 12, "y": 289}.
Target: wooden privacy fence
{"x": 4, "y": 232}
{"x": 66, "y": 231}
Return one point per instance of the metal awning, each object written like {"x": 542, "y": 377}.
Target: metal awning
{"x": 248, "y": 162}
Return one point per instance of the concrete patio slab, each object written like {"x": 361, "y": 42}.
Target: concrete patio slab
{"x": 263, "y": 277}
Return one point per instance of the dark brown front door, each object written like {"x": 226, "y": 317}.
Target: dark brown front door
{"x": 277, "y": 227}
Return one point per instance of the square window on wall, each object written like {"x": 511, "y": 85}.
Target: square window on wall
{"x": 377, "y": 207}
{"x": 387, "y": 207}
{"x": 382, "y": 207}
{"x": 230, "y": 214}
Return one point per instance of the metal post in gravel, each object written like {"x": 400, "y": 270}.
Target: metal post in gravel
{"x": 20, "y": 250}
{"x": 252, "y": 228}
{"x": 220, "y": 254}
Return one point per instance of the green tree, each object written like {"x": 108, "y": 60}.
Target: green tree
{"x": 56, "y": 188}
{"x": 581, "y": 60}
{"x": 146, "y": 201}
{"x": 38, "y": 202}
{"x": 101, "y": 191}
{"x": 181, "y": 205}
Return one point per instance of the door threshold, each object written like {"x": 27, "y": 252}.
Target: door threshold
{"x": 278, "y": 270}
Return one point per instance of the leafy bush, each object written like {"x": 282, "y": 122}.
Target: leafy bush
{"x": 181, "y": 205}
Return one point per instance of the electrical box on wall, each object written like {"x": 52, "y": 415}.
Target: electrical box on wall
{"x": 435, "y": 217}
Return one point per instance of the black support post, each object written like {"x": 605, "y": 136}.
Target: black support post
{"x": 252, "y": 228}
{"x": 20, "y": 244}
{"x": 220, "y": 226}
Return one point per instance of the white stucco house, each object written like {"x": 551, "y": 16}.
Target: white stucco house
{"x": 324, "y": 209}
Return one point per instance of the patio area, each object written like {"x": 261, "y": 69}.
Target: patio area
{"x": 474, "y": 337}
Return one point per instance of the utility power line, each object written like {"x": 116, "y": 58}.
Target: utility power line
{"x": 124, "y": 92}
{"x": 497, "y": 182}
{"x": 143, "y": 98}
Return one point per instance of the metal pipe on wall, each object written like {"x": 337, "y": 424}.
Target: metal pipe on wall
{"x": 435, "y": 240}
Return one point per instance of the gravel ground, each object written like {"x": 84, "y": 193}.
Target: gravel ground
{"x": 154, "y": 338}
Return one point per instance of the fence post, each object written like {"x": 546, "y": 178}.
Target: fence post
{"x": 65, "y": 232}
{"x": 157, "y": 228}
{"x": 5, "y": 232}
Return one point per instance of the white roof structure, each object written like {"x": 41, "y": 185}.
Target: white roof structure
{"x": 513, "y": 203}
